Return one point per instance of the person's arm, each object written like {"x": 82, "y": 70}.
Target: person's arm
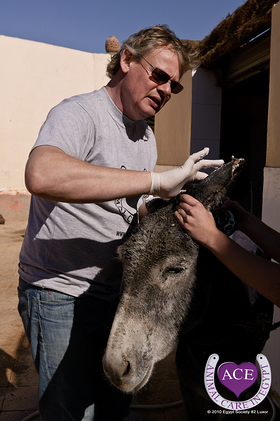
{"x": 52, "y": 174}
{"x": 258, "y": 273}
{"x": 265, "y": 237}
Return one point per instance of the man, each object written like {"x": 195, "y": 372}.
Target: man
{"x": 89, "y": 173}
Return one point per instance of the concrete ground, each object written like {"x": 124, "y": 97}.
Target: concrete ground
{"x": 18, "y": 378}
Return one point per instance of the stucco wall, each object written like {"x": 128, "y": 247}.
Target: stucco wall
{"x": 173, "y": 127}
{"x": 273, "y": 135}
{"x": 190, "y": 121}
{"x": 271, "y": 216}
{"x": 33, "y": 78}
{"x": 271, "y": 189}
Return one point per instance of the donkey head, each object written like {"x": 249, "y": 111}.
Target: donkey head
{"x": 159, "y": 275}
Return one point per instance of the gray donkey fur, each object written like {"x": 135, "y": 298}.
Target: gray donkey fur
{"x": 176, "y": 292}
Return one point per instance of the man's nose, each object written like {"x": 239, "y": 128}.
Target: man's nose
{"x": 165, "y": 88}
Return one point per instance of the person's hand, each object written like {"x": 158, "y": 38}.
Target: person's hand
{"x": 169, "y": 183}
{"x": 196, "y": 220}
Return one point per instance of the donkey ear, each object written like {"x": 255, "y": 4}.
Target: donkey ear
{"x": 213, "y": 190}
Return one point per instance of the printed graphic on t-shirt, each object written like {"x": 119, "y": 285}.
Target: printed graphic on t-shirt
{"x": 128, "y": 207}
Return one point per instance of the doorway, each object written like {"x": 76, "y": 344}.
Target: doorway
{"x": 243, "y": 135}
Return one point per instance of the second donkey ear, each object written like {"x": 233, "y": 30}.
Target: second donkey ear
{"x": 155, "y": 204}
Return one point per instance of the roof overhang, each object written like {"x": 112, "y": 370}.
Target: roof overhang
{"x": 247, "y": 61}
{"x": 239, "y": 46}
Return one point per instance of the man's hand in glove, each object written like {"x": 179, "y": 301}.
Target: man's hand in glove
{"x": 169, "y": 183}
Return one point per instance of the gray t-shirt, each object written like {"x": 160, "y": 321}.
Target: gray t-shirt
{"x": 71, "y": 248}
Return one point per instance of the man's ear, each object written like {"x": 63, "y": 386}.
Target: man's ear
{"x": 125, "y": 60}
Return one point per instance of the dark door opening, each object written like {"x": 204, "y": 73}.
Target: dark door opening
{"x": 243, "y": 134}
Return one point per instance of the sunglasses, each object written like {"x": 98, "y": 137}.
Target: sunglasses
{"x": 160, "y": 77}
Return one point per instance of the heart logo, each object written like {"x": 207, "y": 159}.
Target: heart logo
{"x": 237, "y": 378}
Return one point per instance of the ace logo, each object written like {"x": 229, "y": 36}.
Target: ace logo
{"x": 237, "y": 378}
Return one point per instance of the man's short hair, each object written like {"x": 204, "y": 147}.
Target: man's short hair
{"x": 147, "y": 40}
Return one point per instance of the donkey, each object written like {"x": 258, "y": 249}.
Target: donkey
{"x": 175, "y": 292}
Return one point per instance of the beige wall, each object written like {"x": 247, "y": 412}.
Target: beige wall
{"x": 33, "y": 78}
{"x": 271, "y": 216}
{"x": 273, "y": 137}
{"x": 190, "y": 121}
{"x": 173, "y": 127}
{"x": 271, "y": 189}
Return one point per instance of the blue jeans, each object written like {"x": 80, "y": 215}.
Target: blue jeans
{"x": 68, "y": 336}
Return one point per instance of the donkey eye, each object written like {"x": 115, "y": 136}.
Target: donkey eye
{"x": 174, "y": 270}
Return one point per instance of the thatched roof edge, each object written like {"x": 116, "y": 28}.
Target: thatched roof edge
{"x": 235, "y": 30}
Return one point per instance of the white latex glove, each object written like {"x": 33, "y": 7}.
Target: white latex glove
{"x": 168, "y": 184}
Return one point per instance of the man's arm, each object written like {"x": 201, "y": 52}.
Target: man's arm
{"x": 52, "y": 174}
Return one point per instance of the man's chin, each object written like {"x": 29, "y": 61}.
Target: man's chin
{"x": 144, "y": 113}
{"x": 149, "y": 114}
{"x": 152, "y": 111}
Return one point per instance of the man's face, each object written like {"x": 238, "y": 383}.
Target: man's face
{"x": 142, "y": 97}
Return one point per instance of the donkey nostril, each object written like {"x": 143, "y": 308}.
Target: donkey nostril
{"x": 127, "y": 368}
